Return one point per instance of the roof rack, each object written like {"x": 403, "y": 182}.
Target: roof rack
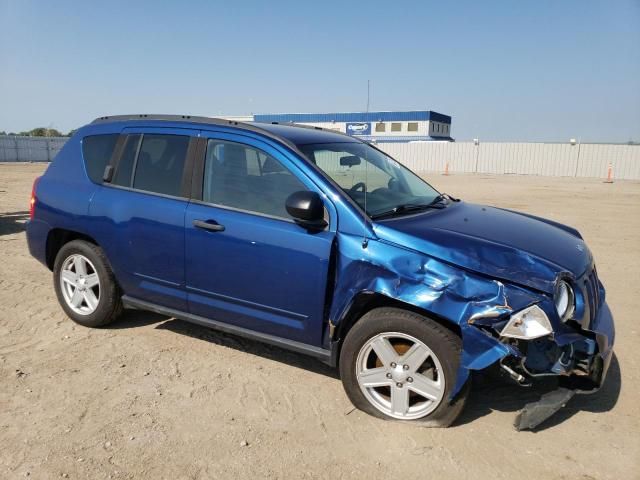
{"x": 197, "y": 119}
{"x": 308, "y": 127}
{"x": 167, "y": 118}
{"x": 249, "y": 126}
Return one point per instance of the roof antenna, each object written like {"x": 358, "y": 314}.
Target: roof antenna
{"x": 365, "y": 240}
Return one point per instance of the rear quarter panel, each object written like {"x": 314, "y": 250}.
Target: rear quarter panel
{"x": 63, "y": 194}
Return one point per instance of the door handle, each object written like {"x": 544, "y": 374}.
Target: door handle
{"x": 208, "y": 225}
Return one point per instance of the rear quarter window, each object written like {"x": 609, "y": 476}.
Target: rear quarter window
{"x": 97, "y": 151}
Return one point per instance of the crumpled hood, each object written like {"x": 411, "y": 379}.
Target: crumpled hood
{"x": 506, "y": 245}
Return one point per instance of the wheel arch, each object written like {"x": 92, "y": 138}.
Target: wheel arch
{"x": 57, "y": 238}
{"x": 366, "y": 301}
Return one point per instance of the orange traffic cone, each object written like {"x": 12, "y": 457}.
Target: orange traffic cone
{"x": 609, "y": 174}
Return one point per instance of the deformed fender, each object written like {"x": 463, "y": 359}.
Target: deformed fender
{"x": 479, "y": 350}
{"x": 440, "y": 289}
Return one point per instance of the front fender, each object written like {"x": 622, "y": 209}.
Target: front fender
{"x": 435, "y": 287}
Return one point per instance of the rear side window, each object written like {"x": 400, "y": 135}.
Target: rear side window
{"x": 160, "y": 164}
{"x": 97, "y": 151}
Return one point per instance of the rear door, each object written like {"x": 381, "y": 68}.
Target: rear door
{"x": 139, "y": 215}
{"x": 247, "y": 262}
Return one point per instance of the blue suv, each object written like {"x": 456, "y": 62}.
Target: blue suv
{"x": 317, "y": 242}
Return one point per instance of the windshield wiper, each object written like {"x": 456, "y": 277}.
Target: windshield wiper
{"x": 406, "y": 208}
{"x": 438, "y": 203}
{"x": 443, "y": 196}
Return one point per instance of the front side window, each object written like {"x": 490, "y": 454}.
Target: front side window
{"x": 372, "y": 179}
{"x": 246, "y": 178}
{"x": 97, "y": 151}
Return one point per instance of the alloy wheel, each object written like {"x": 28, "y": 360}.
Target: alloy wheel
{"x": 80, "y": 284}
{"x": 400, "y": 375}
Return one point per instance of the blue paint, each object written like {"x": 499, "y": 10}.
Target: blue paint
{"x": 271, "y": 275}
{"x": 494, "y": 242}
{"x": 465, "y": 265}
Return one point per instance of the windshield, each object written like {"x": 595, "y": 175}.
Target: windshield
{"x": 366, "y": 173}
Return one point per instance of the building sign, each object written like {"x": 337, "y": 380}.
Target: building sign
{"x": 358, "y": 129}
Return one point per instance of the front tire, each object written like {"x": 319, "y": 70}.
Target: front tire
{"x": 398, "y": 365}
{"x": 85, "y": 285}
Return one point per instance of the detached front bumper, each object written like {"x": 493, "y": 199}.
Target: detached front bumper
{"x": 605, "y": 333}
{"x": 578, "y": 355}
{"x": 580, "y": 361}
{"x": 579, "y": 358}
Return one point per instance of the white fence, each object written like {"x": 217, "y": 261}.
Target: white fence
{"x": 29, "y": 149}
{"x": 546, "y": 159}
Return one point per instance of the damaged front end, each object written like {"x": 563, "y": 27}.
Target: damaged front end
{"x": 575, "y": 348}
{"x": 518, "y": 327}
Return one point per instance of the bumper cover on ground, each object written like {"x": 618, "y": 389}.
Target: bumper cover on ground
{"x": 534, "y": 413}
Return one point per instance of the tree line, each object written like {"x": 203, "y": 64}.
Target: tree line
{"x": 40, "y": 132}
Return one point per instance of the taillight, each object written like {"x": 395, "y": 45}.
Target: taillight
{"x": 32, "y": 202}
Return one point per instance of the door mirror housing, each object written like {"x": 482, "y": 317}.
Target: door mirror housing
{"x": 307, "y": 209}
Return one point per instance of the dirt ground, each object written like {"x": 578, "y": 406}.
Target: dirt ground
{"x": 153, "y": 397}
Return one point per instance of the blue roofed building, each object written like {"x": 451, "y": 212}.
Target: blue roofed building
{"x": 406, "y": 126}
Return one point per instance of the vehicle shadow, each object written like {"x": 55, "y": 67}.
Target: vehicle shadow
{"x": 252, "y": 347}
{"x": 491, "y": 391}
{"x": 13, "y": 222}
{"x": 141, "y": 318}
{"x": 136, "y": 318}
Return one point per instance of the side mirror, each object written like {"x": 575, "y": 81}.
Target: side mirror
{"x": 350, "y": 161}
{"x": 307, "y": 209}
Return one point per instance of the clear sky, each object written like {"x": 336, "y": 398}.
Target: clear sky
{"x": 545, "y": 70}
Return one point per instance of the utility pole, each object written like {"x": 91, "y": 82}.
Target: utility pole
{"x": 368, "y": 93}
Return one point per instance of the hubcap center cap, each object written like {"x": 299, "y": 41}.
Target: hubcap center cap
{"x": 399, "y": 374}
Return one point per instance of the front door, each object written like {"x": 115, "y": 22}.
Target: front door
{"x": 247, "y": 262}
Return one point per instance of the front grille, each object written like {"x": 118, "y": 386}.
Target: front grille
{"x": 591, "y": 293}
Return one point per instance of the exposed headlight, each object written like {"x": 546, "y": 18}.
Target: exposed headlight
{"x": 564, "y": 300}
{"x": 527, "y": 324}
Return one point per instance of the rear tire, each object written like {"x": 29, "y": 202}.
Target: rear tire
{"x": 398, "y": 365}
{"x": 85, "y": 285}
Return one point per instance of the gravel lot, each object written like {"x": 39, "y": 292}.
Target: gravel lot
{"x": 154, "y": 397}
